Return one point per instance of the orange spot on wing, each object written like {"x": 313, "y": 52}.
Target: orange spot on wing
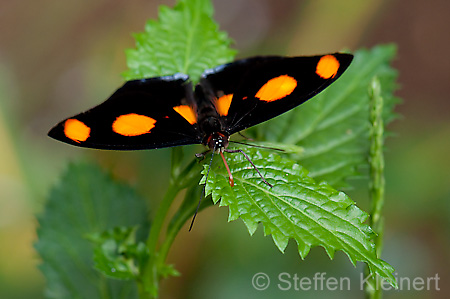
{"x": 223, "y": 104}
{"x": 277, "y": 88}
{"x": 133, "y": 124}
{"x": 327, "y": 67}
{"x": 76, "y": 130}
{"x": 187, "y": 113}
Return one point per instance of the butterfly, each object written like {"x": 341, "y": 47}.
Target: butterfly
{"x": 169, "y": 111}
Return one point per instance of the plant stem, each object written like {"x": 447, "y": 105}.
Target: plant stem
{"x": 377, "y": 183}
{"x": 149, "y": 276}
{"x": 149, "y": 279}
{"x": 177, "y": 222}
{"x": 185, "y": 212}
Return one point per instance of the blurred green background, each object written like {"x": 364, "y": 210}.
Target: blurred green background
{"x": 58, "y": 58}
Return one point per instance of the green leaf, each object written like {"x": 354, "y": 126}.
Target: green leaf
{"x": 313, "y": 214}
{"x": 185, "y": 40}
{"x": 333, "y": 127}
{"x": 117, "y": 255}
{"x": 85, "y": 201}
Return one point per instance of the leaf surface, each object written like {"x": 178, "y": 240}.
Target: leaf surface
{"x": 184, "y": 39}
{"x": 313, "y": 214}
{"x": 86, "y": 201}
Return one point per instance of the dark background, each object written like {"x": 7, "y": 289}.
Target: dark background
{"x": 58, "y": 58}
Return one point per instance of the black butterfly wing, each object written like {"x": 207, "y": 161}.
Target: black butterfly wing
{"x": 265, "y": 87}
{"x": 139, "y": 115}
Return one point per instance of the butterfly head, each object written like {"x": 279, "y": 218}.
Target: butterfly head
{"x": 217, "y": 142}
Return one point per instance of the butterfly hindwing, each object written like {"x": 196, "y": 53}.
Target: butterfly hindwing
{"x": 142, "y": 114}
{"x": 261, "y": 88}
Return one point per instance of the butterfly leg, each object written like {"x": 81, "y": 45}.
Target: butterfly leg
{"x": 249, "y": 160}
{"x": 201, "y": 156}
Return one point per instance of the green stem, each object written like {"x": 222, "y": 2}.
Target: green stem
{"x": 160, "y": 216}
{"x": 377, "y": 183}
{"x": 150, "y": 276}
{"x": 174, "y": 228}
{"x": 185, "y": 212}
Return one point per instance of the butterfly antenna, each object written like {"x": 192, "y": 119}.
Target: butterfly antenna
{"x": 245, "y": 137}
{"x": 203, "y": 190}
{"x": 259, "y": 146}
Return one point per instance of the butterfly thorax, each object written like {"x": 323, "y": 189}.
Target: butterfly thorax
{"x": 209, "y": 121}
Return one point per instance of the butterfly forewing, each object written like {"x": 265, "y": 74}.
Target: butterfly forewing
{"x": 141, "y": 114}
{"x": 265, "y": 87}
{"x": 165, "y": 111}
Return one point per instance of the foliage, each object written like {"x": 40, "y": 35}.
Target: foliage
{"x": 313, "y": 214}
{"x": 328, "y": 135}
{"x": 185, "y": 40}
{"x": 85, "y": 202}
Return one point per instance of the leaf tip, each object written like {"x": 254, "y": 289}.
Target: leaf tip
{"x": 250, "y": 223}
{"x": 280, "y": 240}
